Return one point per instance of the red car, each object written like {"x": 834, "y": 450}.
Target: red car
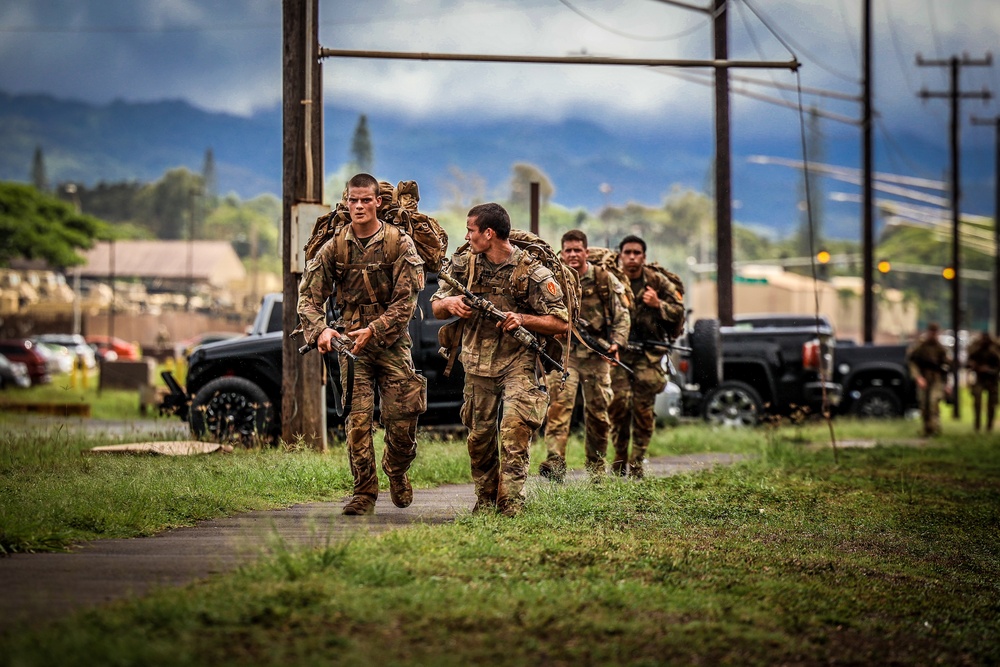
{"x": 23, "y": 350}
{"x": 113, "y": 348}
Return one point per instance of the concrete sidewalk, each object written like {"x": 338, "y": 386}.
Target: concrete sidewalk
{"x": 42, "y": 587}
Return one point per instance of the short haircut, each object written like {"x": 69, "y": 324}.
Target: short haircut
{"x": 492, "y": 216}
{"x": 632, "y": 238}
{"x": 933, "y": 327}
{"x": 574, "y": 235}
{"x": 364, "y": 181}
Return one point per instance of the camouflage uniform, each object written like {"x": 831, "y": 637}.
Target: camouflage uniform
{"x": 605, "y": 309}
{"x": 377, "y": 288}
{"x": 984, "y": 361}
{"x": 929, "y": 359}
{"x": 499, "y": 370}
{"x": 631, "y": 409}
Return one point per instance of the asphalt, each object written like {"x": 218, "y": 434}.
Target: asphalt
{"x": 38, "y": 588}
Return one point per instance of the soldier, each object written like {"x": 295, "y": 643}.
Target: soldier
{"x": 657, "y": 312}
{"x": 604, "y": 314}
{"x": 498, "y": 369}
{"x": 984, "y": 362}
{"x": 929, "y": 362}
{"x": 378, "y": 274}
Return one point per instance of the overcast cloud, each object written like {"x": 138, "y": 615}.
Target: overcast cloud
{"x": 225, "y": 55}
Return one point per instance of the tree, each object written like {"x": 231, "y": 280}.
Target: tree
{"x": 522, "y": 176}
{"x": 34, "y": 225}
{"x": 210, "y": 178}
{"x": 39, "y": 177}
{"x": 169, "y": 206}
{"x": 362, "y": 152}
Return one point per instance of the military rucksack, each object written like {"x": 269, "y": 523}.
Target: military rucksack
{"x": 605, "y": 262}
{"x": 675, "y": 327}
{"x": 608, "y": 260}
{"x": 399, "y": 208}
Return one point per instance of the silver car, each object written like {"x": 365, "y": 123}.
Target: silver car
{"x": 76, "y": 344}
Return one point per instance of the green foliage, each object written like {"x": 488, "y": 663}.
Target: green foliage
{"x": 522, "y": 176}
{"x": 38, "y": 226}
{"x": 252, "y": 226}
{"x": 885, "y": 557}
{"x": 172, "y": 208}
{"x": 39, "y": 176}
{"x": 362, "y": 151}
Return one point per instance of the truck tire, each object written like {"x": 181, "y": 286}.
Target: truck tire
{"x": 706, "y": 355}
{"x": 877, "y": 403}
{"x": 734, "y": 404}
{"x": 231, "y": 408}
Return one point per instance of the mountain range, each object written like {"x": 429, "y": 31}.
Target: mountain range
{"x": 124, "y": 141}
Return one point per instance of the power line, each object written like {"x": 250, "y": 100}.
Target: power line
{"x": 627, "y": 35}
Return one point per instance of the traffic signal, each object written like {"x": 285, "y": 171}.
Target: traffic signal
{"x": 884, "y": 266}
{"x": 823, "y": 257}
{"x": 948, "y": 273}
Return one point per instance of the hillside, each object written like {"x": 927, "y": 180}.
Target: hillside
{"x": 126, "y": 141}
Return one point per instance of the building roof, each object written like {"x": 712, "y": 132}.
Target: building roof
{"x": 214, "y": 262}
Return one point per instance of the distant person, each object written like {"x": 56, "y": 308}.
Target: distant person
{"x": 657, "y": 311}
{"x": 378, "y": 274}
{"x": 929, "y": 362}
{"x": 604, "y": 316}
{"x": 984, "y": 362}
{"x": 503, "y": 403}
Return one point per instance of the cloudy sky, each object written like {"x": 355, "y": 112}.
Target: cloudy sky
{"x": 225, "y": 55}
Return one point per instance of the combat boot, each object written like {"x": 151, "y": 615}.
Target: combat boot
{"x": 400, "y": 490}
{"x": 360, "y": 506}
{"x": 635, "y": 470}
{"x": 553, "y": 469}
{"x": 618, "y": 467}
{"x": 510, "y": 508}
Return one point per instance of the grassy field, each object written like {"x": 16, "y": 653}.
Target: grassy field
{"x": 801, "y": 554}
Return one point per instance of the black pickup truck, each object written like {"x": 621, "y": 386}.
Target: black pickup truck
{"x": 762, "y": 365}
{"x": 234, "y": 386}
{"x": 876, "y": 381}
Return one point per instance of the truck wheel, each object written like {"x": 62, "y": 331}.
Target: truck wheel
{"x": 231, "y": 408}
{"x": 877, "y": 403}
{"x": 733, "y": 403}
{"x": 706, "y": 358}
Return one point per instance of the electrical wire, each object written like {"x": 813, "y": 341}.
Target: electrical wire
{"x": 753, "y": 40}
{"x": 626, "y": 35}
{"x": 845, "y": 22}
{"x": 788, "y": 43}
{"x": 904, "y": 64}
{"x": 807, "y": 177}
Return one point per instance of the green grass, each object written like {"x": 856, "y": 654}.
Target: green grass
{"x": 886, "y": 555}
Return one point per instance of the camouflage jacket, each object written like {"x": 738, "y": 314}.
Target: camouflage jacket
{"x": 654, "y": 323}
{"x": 984, "y": 359}
{"x": 377, "y": 284}
{"x": 928, "y": 359}
{"x": 603, "y": 307}
{"x": 520, "y": 284}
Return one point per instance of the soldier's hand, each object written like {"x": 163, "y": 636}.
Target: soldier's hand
{"x": 456, "y": 305}
{"x": 650, "y": 297}
{"x": 921, "y": 382}
{"x": 511, "y": 322}
{"x": 361, "y": 338}
{"x": 323, "y": 342}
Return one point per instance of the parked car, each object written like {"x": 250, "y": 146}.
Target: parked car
{"x": 13, "y": 374}
{"x": 58, "y": 357}
{"x": 185, "y": 347}
{"x": 876, "y": 380}
{"x": 75, "y": 343}
{"x": 25, "y": 351}
{"x": 113, "y": 348}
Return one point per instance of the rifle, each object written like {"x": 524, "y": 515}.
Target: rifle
{"x": 342, "y": 404}
{"x": 597, "y": 345}
{"x": 338, "y": 345}
{"x": 658, "y": 345}
{"x": 520, "y": 334}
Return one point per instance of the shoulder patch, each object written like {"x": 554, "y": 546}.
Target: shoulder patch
{"x": 551, "y": 287}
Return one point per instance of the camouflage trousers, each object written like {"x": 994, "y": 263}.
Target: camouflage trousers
{"x": 930, "y": 398}
{"x": 989, "y": 388}
{"x": 402, "y": 397}
{"x": 502, "y": 414}
{"x": 594, "y": 374}
{"x": 631, "y": 410}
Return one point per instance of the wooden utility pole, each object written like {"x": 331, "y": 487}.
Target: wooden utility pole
{"x": 995, "y": 122}
{"x": 955, "y": 95}
{"x": 302, "y": 406}
{"x": 723, "y": 171}
{"x": 867, "y": 195}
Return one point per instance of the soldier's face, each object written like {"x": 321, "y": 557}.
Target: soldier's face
{"x": 479, "y": 241}
{"x": 363, "y": 203}
{"x": 633, "y": 258}
{"x": 575, "y": 255}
